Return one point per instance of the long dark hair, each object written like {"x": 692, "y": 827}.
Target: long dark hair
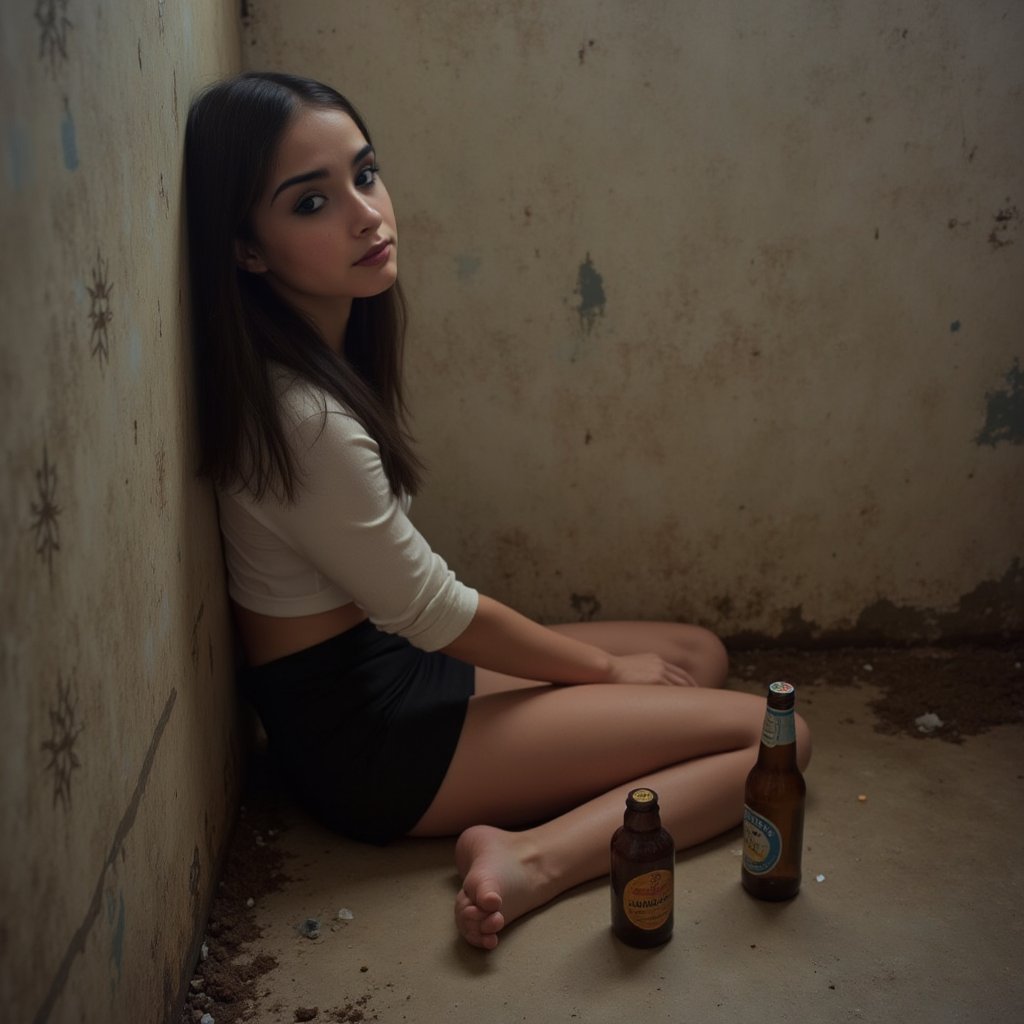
{"x": 241, "y": 326}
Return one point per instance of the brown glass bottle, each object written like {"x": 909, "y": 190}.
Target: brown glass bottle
{"x": 643, "y": 870}
{"x": 773, "y": 818}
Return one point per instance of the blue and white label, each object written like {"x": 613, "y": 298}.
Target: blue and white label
{"x": 762, "y": 844}
{"x": 779, "y": 728}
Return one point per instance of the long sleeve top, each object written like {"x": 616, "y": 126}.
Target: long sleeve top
{"x": 345, "y": 538}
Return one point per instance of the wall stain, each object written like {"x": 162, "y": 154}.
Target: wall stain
{"x": 581, "y": 53}
{"x": 196, "y": 622}
{"x": 45, "y": 513}
{"x": 1004, "y": 414}
{"x": 1007, "y": 220}
{"x": 64, "y": 732}
{"x": 590, "y": 289}
{"x": 586, "y": 606}
{"x": 993, "y": 612}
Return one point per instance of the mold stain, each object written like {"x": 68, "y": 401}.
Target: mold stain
{"x": 1004, "y": 414}
{"x": 54, "y": 25}
{"x": 1006, "y": 220}
{"x": 45, "y": 513}
{"x": 64, "y": 732}
{"x": 586, "y": 606}
{"x": 590, "y": 289}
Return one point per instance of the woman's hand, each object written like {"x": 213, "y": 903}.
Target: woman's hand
{"x": 648, "y": 670}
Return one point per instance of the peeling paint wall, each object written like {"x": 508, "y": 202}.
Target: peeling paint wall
{"x": 118, "y": 748}
{"x": 716, "y": 306}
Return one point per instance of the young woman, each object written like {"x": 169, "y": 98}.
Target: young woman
{"x": 397, "y": 700}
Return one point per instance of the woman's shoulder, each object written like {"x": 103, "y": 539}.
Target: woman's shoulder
{"x": 301, "y": 400}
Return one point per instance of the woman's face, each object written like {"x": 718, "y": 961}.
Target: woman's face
{"x": 323, "y": 232}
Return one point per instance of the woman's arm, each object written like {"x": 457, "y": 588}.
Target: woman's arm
{"x": 500, "y": 639}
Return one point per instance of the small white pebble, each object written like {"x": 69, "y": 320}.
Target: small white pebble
{"x": 206, "y": 1019}
{"x": 819, "y": 878}
{"x": 204, "y": 951}
{"x": 345, "y": 914}
{"x": 250, "y": 902}
{"x": 197, "y": 984}
{"x": 869, "y": 668}
{"x": 928, "y": 722}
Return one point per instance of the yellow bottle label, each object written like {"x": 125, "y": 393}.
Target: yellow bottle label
{"x": 647, "y": 899}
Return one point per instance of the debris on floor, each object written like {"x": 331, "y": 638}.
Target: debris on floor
{"x": 224, "y": 986}
{"x": 969, "y": 689}
{"x": 310, "y": 928}
{"x": 928, "y": 722}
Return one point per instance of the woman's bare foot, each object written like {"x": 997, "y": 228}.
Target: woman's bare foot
{"x": 501, "y": 880}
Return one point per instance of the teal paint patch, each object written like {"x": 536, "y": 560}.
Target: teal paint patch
{"x": 590, "y": 288}
{"x": 68, "y": 142}
{"x": 19, "y": 157}
{"x": 954, "y": 327}
{"x": 1004, "y": 414}
{"x": 467, "y": 266}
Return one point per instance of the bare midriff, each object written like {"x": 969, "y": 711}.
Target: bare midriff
{"x": 268, "y": 637}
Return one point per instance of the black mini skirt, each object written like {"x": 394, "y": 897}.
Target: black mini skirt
{"x": 362, "y": 728}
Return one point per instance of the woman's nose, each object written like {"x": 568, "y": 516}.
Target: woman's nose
{"x": 366, "y": 217}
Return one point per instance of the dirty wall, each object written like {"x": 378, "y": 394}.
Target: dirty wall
{"x": 118, "y": 755}
{"x": 716, "y": 306}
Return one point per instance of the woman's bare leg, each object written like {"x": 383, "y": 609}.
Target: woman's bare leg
{"x": 695, "y": 650}
{"x": 569, "y": 755}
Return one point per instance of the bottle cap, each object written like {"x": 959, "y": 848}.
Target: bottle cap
{"x": 642, "y": 800}
{"x": 783, "y": 688}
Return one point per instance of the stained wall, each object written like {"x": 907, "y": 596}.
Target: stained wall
{"x": 118, "y": 748}
{"x": 716, "y": 306}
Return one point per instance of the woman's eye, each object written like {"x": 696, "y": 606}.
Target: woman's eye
{"x": 310, "y": 204}
{"x": 367, "y": 176}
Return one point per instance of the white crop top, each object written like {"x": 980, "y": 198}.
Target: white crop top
{"x": 345, "y": 538}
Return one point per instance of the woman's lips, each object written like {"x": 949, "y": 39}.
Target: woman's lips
{"x": 376, "y": 256}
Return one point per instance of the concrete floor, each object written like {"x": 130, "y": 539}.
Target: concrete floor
{"x": 911, "y": 910}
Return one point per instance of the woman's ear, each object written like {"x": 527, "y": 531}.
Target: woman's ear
{"x": 248, "y": 257}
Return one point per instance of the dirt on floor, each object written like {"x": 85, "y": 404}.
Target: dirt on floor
{"x": 926, "y": 693}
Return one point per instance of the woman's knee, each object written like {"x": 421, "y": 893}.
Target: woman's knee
{"x": 703, "y": 655}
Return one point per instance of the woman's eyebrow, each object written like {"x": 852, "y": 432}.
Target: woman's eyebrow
{"x": 320, "y": 172}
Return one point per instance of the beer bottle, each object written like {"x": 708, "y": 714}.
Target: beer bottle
{"x": 773, "y": 815}
{"x": 643, "y": 863}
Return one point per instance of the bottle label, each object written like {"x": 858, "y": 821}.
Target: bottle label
{"x": 779, "y": 728}
{"x": 762, "y": 843}
{"x": 647, "y": 899}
